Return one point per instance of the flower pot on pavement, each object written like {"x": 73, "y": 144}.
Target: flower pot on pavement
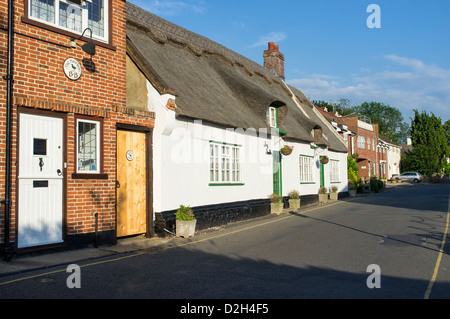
{"x": 294, "y": 204}
{"x": 276, "y": 208}
{"x": 185, "y": 228}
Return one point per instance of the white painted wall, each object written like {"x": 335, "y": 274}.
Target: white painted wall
{"x": 393, "y": 160}
{"x": 181, "y": 163}
{"x": 291, "y": 170}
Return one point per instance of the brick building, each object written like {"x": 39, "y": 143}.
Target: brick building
{"x": 69, "y": 119}
{"x": 362, "y": 139}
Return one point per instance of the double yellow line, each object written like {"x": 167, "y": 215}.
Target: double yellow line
{"x": 441, "y": 252}
{"x": 142, "y": 252}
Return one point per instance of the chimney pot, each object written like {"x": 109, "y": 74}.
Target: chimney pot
{"x": 274, "y": 59}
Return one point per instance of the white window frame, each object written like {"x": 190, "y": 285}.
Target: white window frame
{"x": 361, "y": 141}
{"x": 97, "y": 145}
{"x": 273, "y": 117}
{"x": 306, "y": 168}
{"x": 334, "y": 171}
{"x": 84, "y": 19}
{"x": 225, "y": 167}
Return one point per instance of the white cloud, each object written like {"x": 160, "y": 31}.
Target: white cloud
{"x": 270, "y": 37}
{"x": 408, "y": 84}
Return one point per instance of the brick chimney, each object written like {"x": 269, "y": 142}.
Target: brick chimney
{"x": 274, "y": 59}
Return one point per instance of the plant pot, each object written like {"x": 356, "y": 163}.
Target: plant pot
{"x": 352, "y": 192}
{"x": 294, "y": 204}
{"x": 276, "y": 208}
{"x": 323, "y": 198}
{"x": 286, "y": 151}
{"x": 185, "y": 228}
{"x": 324, "y": 161}
{"x": 334, "y": 196}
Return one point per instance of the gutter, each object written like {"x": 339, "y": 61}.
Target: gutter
{"x": 7, "y": 250}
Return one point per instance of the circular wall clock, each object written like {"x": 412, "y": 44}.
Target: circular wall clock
{"x": 72, "y": 69}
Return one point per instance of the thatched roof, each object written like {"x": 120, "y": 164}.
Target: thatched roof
{"x": 213, "y": 83}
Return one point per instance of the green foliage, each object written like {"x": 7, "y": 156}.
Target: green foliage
{"x": 334, "y": 189}
{"x": 184, "y": 213}
{"x": 352, "y": 172}
{"x": 294, "y": 194}
{"x": 323, "y": 190}
{"x": 275, "y": 198}
{"x": 389, "y": 119}
{"x": 447, "y": 131}
{"x": 430, "y": 144}
{"x": 375, "y": 185}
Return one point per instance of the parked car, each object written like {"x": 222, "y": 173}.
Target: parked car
{"x": 411, "y": 177}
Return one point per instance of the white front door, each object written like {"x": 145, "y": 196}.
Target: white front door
{"x": 40, "y": 169}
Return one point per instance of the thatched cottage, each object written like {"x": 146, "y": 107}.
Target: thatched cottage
{"x": 220, "y": 123}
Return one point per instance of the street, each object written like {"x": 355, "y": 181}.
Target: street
{"x": 322, "y": 252}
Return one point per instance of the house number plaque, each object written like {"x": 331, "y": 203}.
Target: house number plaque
{"x": 130, "y": 155}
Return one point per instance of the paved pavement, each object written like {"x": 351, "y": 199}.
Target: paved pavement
{"x": 26, "y": 263}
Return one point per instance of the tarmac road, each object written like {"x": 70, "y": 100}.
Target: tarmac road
{"x": 319, "y": 252}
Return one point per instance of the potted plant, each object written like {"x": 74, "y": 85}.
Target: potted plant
{"x": 324, "y": 159}
{"x": 323, "y": 195}
{"x": 185, "y": 222}
{"x": 294, "y": 200}
{"x": 276, "y": 204}
{"x": 334, "y": 193}
{"x": 352, "y": 188}
{"x": 286, "y": 150}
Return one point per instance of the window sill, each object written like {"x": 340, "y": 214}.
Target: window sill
{"x": 89, "y": 176}
{"x": 226, "y": 184}
{"x": 301, "y": 183}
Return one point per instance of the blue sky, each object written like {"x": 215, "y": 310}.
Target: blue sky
{"x": 330, "y": 53}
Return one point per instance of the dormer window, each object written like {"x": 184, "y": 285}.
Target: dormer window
{"x": 72, "y": 16}
{"x": 273, "y": 117}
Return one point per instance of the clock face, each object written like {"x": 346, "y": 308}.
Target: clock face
{"x": 72, "y": 69}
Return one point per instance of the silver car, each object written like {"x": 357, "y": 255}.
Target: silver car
{"x": 411, "y": 177}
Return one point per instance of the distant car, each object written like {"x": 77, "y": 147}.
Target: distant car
{"x": 411, "y": 177}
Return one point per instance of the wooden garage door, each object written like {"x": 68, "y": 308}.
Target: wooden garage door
{"x": 131, "y": 183}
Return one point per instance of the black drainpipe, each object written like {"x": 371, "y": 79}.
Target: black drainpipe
{"x": 7, "y": 250}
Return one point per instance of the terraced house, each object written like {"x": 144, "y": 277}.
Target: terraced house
{"x": 112, "y": 117}
{"x": 220, "y": 123}
{"x": 63, "y": 116}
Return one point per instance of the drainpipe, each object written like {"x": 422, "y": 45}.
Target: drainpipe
{"x": 7, "y": 252}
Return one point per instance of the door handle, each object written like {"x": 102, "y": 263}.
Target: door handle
{"x": 117, "y": 184}
{"x": 58, "y": 171}
{"x": 41, "y": 163}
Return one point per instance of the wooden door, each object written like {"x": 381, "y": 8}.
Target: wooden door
{"x": 131, "y": 185}
{"x": 40, "y": 218}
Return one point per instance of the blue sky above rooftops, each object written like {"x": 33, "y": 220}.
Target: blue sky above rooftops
{"x": 330, "y": 52}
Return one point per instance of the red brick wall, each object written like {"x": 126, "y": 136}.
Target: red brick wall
{"x": 40, "y": 83}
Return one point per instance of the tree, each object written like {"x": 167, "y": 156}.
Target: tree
{"x": 342, "y": 107}
{"x": 389, "y": 119}
{"x": 447, "y": 131}
{"x": 430, "y": 143}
